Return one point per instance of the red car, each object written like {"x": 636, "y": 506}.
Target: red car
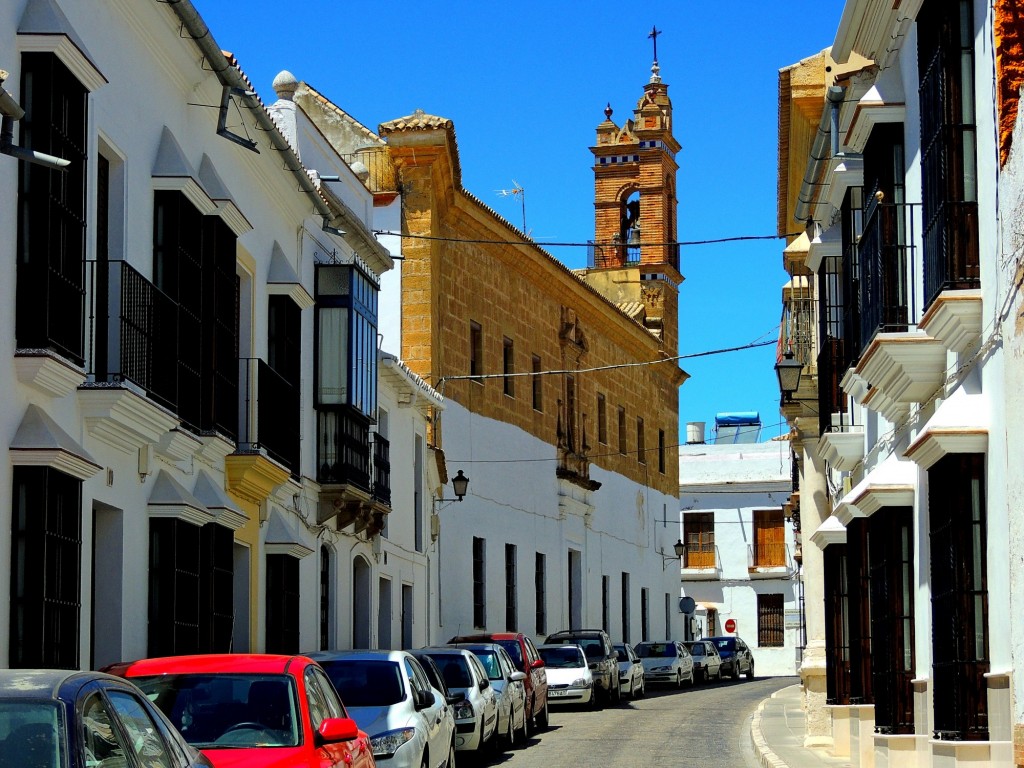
{"x": 253, "y": 711}
{"x": 528, "y": 661}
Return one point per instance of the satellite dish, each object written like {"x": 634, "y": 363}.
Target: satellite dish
{"x": 687, "y": 605}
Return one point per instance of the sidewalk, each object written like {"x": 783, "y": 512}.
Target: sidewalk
{"x": 777, "y": 731}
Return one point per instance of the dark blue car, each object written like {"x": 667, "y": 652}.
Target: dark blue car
{"x": 68, "y": 719}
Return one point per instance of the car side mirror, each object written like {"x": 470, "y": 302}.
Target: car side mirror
{"x": 333, "y": 729}
{"x": 517, "y": 676}
{"x": 422, "y": 699}
{"x": 484, "y": 685}
{"x": 537, "y": 664}
{"x": 455, "y": 698}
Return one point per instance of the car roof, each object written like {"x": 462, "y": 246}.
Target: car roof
{"x": 450, "y": 649}
{"x": 47, "y": 683}
{"x": 559, "y": 646}
{"x": 359, "y": 655}
{"x": 228, "y": 663}
{"x": 479, "y": 647}
{"x": 576, "y": 632}
{"x": 486, "y": 637}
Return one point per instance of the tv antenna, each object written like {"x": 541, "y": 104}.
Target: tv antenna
{"x": 516, "y": 191}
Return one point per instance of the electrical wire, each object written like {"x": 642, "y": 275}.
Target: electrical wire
{"x": 571, "y": 244}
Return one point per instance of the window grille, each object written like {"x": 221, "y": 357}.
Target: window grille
{"x": 771, "y": 632}
{"x": 282, "y": 604}
{"x": 479, "y": 583}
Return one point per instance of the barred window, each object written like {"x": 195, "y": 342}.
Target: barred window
{"x": 479, "y": 583}
{"x": 771, "y": 631}
{"x": 508, "y": 363}
{"x": 540, "y": 589}
{"x": 511, "y": 589}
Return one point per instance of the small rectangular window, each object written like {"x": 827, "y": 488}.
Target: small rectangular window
{"x": 540, "y": 578}
{"x": 479, "y": 583}
{"x": 508, "y": 366}
{"x": 661, "y": 451}
{"x": 538, "y": 402}
{"x": 641, "y": 450}
{"x": 511, "y": 589}
{"x": 476, "y": 350}
{"x": 602, "y": 420}
{"x": 625, "y": 607}
{"x": 604, "y": 604}
{"x": 622, "y": 430}
{"x": 770, "y": 621}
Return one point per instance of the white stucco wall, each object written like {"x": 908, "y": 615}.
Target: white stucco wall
{"x": 731, "y": 482}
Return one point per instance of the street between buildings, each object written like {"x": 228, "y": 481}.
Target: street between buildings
{"x": 706, "y": 726}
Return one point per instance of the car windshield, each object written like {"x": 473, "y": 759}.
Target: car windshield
{"x": 562, "y": 657}
{"x": 512, "y": 646}
{"x": 455, "y": 670}
{"x": 655, "y": 650}
{"x": 31, "y": 733}
{"x": 620, "y": 652}
{"x": 697, "y": 649}
{"x": 490, "y": 661}
{"x": 364, "y": 683}
{"x": 228, "y": 711}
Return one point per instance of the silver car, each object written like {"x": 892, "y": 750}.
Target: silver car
{"x": 631, "y": 671}
{"x": 476, "y": 713}
{"x": 387, "y": 693}
{"x": 707, "y": 664}
{"x": 509, "y": 688}
{"x": 666, "y": 662}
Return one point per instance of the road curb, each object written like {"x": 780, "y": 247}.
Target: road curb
{"x": 765, "y": 755}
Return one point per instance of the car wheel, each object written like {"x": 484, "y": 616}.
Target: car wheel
{"x": 617, "y": 695}
{"x": 735, "y": 670}
{"x": 510, "y": 737}
{"x": 525, "y": 733}
{"x": 643, "y": 687}
{"x": 594, "y": 702}
{"x": 544, "y": 718}
{"x": 679, "y": 679}
{"x": 750, "y": 672}
{"x": 691, "y": 679}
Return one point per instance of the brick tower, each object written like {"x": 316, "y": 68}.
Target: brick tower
{"x": 635, "y": 259}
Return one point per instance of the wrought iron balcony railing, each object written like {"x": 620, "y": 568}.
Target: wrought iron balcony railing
{"x": 381, "y": 468}
{"x": 951, "y": 249}
{"x": 886, "y": 260}
{"x": 773, "y": 555}
{"x": 268, "y": 413}
{"x": 343, "y": 448}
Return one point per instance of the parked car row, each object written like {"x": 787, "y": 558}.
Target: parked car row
{"x": 358, "y": 709}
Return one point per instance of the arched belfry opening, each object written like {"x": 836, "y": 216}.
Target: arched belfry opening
{"x": 634, "y": 259}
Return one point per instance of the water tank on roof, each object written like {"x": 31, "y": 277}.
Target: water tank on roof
{"x": 737, "y": 427}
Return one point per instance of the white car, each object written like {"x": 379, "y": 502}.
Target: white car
{"x": 476, "y": 715}
{"x": 570, "y": 680}
{"x": 666, "y": 662}
{"x": 509, "y": 688}
{"x": 387, "y": 693}
{"x": 631, "y": 671}
{"x": 707, "y": 664}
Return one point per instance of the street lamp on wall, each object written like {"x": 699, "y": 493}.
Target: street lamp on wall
{"x": 679, "y": 549}
{"x": 788, "y": 370}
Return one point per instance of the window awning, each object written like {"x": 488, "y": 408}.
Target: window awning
{"x": 212, "y": 496}
{"x": 832, "y": 531}
{"x": 960, "y": 425}
{"x": 890, "y": 484}
{"x": 283, "y": 280}
{"x": 170, "y": 499}
{"x": 44, "y": 28}
{"x": 40, "y": 442}
{"x": 282, "y": 539}
{"x": 172, "y": 171}
{"x": 218, "y": 192}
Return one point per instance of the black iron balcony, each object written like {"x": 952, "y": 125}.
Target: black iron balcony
{"x": 951, "y": 249}
{"x": 343, "y": 448}
{"x": 133, "y": 329}
{"x": 831, "y": 397}
{"x": 269, "y": 414}
{"x": 381, "y": 469}
{"x": 51, "y": 310}
{"x": 885, "y": 253}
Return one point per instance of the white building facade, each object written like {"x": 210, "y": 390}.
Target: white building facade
{"x": 906, "y": 483}
{"x": 740, "y": 561}
{"x": 192, "y": 395}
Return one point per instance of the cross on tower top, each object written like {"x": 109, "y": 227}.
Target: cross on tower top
{"x": 654, "y": 36}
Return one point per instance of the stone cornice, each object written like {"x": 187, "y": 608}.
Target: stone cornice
{"x": 934, "y": 444}
{"x": 123, "y": 419}
{"x": 954, "y": 318}
{"x": 253, "y": 476}
{"x": 832, "y": 531}
{"x": 48, "y": 372}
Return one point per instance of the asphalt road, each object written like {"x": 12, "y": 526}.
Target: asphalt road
{"x": 705, "y": 726}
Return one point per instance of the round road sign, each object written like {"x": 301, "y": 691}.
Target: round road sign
{"x": 730, "y": 625}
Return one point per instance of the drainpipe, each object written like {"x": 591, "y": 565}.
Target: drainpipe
{"x": 821, "y": 151}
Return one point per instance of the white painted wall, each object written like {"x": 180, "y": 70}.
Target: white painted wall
{"x": 731, "y": 482}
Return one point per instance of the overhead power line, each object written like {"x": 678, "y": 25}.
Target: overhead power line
{"x": 680, "y": 243}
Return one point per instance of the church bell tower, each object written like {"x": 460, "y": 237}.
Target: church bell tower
{"x": 634, "y": 260}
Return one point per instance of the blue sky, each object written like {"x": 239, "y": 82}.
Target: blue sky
{"x": 526, "y": 84}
